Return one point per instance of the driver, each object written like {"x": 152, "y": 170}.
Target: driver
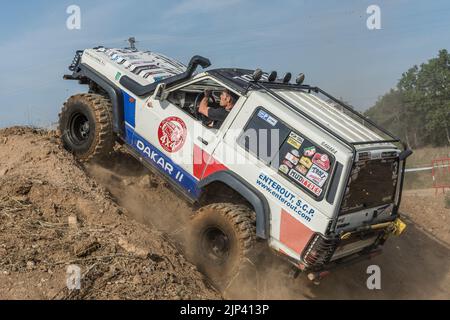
{"x": 217, "y": 115}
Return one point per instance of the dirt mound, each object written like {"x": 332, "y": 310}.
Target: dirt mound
{"x": 52, "y": 215}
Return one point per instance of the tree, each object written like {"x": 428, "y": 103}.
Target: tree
{"x": 418, "y": 110}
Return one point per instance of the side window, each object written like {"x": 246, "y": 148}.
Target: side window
{"x": 189, "y": 97}
{"x": 289, "y": 152}
{"x": 263, "y": 136}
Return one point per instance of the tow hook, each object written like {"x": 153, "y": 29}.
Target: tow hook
{"x": 316, "y": 277}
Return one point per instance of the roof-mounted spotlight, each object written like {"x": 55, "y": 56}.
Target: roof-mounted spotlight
{"x": 257, "y": 75}
{"x": 287, "y": 77}
{"x": 300, "y": 78}
{"x": 272, "y": 76}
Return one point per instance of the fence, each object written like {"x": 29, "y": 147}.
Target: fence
{"x": 440, "y": 170}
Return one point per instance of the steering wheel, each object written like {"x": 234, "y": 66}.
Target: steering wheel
{"x": 196, "y": 106}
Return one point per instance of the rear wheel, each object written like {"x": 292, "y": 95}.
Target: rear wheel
{"x": 222, "y": 239}
{"x": 85, "y": 126}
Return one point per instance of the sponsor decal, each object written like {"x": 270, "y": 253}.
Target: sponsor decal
{"x": 172, "y": 134}
{"x": 394, "y": 170}
{"x": 302, "y": 169}
{"x": 306, "y": 162}
{"x": 295, "y": 140}
{"x": 97, "y": 59}
{"x": 284, "y": 168}
{"x": 309, "y": 152}
{"x": 155, "y": 157}
{"x": 329, "y": 148}
{"x": 311, "y": 186}
{"x": 322, "y": 160}
{"x": 294, "y": 175}
{"x": 305, "y": 182}
{"x": 317, "y": 175}
{"x": 273, "y": 122}
{"x": 118, "y": 75}
{"x": 288, "y": 163}
{"x": 266, "y": 117}
{"x": 295, "y": 153}
{"x": 289, "y": 156}
{"x": 285, "y": 197}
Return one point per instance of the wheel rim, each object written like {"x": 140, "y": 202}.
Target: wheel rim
{"x": 215, "y": 245}
{"x": 79, "y": 128}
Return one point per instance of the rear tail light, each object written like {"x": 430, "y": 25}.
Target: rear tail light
{"x": 319, "y": 251}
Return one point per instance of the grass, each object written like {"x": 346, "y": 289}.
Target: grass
{"x": 418, "y": 180}
{"x": 423, "y": 158}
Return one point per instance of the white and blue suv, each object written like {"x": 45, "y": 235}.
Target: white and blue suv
{"x": 290, "y": 164}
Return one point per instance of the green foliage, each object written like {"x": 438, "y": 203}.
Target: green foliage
{"x": 418, "y": 110}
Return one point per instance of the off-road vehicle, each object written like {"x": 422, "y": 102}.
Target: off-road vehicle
{"x": 291, "y": 166}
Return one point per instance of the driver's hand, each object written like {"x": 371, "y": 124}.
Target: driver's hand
{"x": 203, "y": 107}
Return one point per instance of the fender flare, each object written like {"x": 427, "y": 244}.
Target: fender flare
{"x": 246, "y": 190}
{"x": 114, "y": 93}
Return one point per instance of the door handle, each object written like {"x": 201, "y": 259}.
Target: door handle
{"x": 203, "y": 141}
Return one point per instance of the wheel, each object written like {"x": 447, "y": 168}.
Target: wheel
{"x": 85, "y": 126}
{"x": 221, "y": 240}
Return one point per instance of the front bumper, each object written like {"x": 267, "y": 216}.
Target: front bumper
{"x": 326, "y": 253}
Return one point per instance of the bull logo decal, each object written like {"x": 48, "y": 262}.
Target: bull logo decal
{"x": 172, "y": 134}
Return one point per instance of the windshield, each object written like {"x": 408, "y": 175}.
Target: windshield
{"x": 372, "y": 183}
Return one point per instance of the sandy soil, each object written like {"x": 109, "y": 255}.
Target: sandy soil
{"x": 53, "y": 215}
{"x": 126, "y": 216}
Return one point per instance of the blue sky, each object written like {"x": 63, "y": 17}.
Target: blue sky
{"x": 326, "y": 40}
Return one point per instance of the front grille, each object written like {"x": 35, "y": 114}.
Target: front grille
{"x": 319, "y": 251}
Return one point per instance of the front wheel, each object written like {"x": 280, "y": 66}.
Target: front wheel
{"x": 222, "y": 238}
{"x": 85, "y": 126}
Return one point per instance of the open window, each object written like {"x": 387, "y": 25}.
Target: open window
{"x": 188, "y": 98}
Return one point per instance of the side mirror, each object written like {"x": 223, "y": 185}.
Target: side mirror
{"x": 160, "y": 92}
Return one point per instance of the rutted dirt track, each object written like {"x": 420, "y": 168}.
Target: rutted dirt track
{"x": 123, "y": 226}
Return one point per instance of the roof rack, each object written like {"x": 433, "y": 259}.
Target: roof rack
{"x": 268, "y": 86}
